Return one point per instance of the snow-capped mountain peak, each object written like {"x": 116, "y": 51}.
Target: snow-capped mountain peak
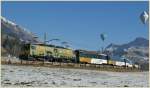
{"x": 14, "y": 24}
{"x": 8, "y": 21}
{"x": 12, "y": 29}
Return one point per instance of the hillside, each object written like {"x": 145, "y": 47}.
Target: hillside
{"x": 12, "y": 37}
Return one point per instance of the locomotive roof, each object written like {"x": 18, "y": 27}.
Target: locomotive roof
{"x": 41, "y": 44}
{"x": 91, "y": 52}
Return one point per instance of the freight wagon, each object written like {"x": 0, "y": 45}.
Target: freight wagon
{"x": 93, "y": 57}
{"x": 121, "y": 61}
{"x": 101, "y": 59}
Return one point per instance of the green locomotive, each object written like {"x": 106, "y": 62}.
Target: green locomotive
{"x": 46, "y": 52}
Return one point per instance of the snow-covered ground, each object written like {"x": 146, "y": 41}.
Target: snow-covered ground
{"x": 61, "y": 77}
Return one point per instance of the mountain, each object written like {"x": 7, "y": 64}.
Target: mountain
{"x": 137, "y": 51}
{"x": 139, "y": 43}
{"x": 14, "y": 30}
{"x": 112, "y": 47}
{"x": 12, "y": 35}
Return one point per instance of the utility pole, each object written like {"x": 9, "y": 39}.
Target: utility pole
{"x": 44, "y": 47}
{"x": 45, "y": 38}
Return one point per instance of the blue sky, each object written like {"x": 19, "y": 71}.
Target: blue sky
{"x": 80, "y": 23}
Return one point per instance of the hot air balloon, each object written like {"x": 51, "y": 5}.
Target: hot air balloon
{"x": 103, "y": 36}
{"x": 144, "y": 17}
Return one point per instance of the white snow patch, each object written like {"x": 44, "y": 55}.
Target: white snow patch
{"x": 60, "y": 77}
{"x": 8, "y": 21}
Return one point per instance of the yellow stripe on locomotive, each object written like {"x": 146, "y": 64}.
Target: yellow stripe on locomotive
{"x": 85, "y": 59}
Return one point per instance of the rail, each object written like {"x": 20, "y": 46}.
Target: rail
{"x": 99, "y": 67}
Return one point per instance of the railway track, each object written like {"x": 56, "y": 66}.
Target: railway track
{"x": 99, "y": 67}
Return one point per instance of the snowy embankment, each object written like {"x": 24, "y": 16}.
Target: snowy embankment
{"x": 58, "y": 77}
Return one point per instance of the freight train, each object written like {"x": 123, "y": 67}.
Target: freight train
{"x": 54, "y": 53}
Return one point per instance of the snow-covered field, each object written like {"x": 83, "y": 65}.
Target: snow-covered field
{"x": 61, "y": 77}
